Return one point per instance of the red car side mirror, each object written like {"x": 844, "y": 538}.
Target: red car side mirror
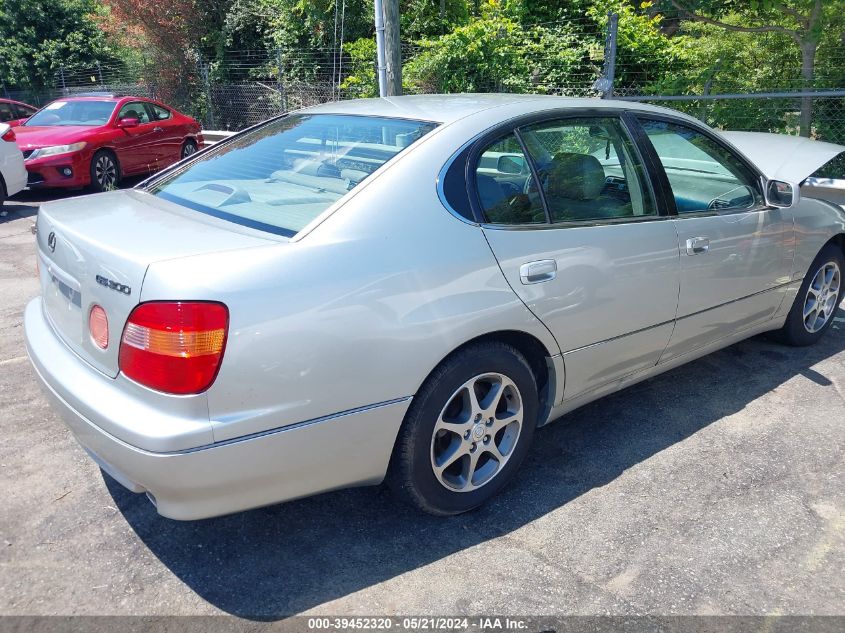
{"x": 128, "y": 122}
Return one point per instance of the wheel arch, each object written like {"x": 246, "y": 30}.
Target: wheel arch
{"x": 547, "y": 368}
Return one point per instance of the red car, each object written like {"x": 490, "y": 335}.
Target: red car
{"x": 14, "y": 113}
{"x": 97, "y": 140}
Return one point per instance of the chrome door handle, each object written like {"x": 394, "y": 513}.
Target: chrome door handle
{"x": 158, "y": 129}
{"x": 697, "y": 245}
{"x": 537, "y": 272}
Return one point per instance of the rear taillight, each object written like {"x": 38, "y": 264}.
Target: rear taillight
{"x": 174, "y": 346}
{"x": 9, "y": 136}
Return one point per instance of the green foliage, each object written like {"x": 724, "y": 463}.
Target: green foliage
{"x": 39, "y": 36}
{"x": 361, "y": 81}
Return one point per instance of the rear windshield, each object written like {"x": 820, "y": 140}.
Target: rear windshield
{"x": 282, "y": 175}
{"x": 73, "y": 113}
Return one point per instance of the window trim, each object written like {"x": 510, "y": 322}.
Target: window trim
{"x": 648, "y": 147}
{"x": 512, "y": 126}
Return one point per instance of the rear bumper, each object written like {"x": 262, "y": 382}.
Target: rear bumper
{"x": 348, "y": 449}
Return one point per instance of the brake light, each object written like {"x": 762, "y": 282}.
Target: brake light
{"x": 9, "y": 136}
{"x": 174, "y": 346}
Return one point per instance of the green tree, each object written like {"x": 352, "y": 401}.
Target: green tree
{"x": 37, "y": 37}
{"x": 803, "y": 21}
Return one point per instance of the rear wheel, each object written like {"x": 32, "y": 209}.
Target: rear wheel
{"x": 818, "y": 298}
{"x": 105, "y": 171}
{"x": 189, "y": 148}
{"x": 467, "y": 430}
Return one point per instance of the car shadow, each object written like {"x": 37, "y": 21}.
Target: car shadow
{"x": 273, "y": 562}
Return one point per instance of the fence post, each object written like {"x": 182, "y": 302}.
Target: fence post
{"x": 610, "y": 55}
{"x": 62, "y": 78}
{"x": 207, "y": 89}
{"x": 280, "y": 84}
{"x": 100, "y": 73}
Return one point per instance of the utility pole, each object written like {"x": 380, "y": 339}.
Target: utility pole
{"x": 381, "y": 64}
{"x": 388, "y": 50}
{"x": 393, "y": 47}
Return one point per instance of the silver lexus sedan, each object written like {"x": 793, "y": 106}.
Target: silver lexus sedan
{"x": 406, "y": 288}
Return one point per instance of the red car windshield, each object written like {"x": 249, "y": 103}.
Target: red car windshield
{"x": 87, "y": 112}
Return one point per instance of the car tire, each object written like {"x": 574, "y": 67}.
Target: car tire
{"x": 455, "y": 450}
{"x": 105, "y": 171}
{"x": 810, "y": 317}
{"x": 189, "y": 148}
{"x": 2, "y": 195}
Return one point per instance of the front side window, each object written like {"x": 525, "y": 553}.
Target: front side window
{"x": 134, "y": 110}
{"x": 86, "y": 113}
{"x": 501, "y": 180}
{"x": 588, "y": 170}
{"x": 704, "y": 175}
{"x": 280, "y": 176}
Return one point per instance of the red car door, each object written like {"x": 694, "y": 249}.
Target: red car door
{"x": 170, "y": 135}
{"x": 136, "y": 146}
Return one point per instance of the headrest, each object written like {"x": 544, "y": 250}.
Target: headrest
{"x": 576, "y": 176}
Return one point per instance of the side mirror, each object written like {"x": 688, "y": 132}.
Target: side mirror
{"x": 128, "y": 122}
{"x": 510, "y": 164}
{"x": 781, "y": 194}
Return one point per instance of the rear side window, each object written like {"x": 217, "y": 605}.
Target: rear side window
{"x": 157, "y": 113}
{"x": 588, "y": 170}
{"x": 501, "y": 176}
{"x": 6, "y": 113}
{"x": 23, "y": 111}
{"x": 280, "y": 176}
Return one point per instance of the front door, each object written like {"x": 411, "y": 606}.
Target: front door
{"x": 136, "y": 146}
{"x": 736, "y": 253}
{"x": 579, "y": 238}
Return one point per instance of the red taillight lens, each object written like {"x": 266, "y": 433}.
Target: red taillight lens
{"x": 174, "y": 346}
{"x": 9, "y": 136}
{"x": 98, "y": 325}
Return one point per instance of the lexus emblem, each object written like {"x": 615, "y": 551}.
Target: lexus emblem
{"x": 51, "y": 241}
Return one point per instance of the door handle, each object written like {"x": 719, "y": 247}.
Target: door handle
{"x": 158, "y": 129}
{"x": 697, "y": 245}
{"x": 537, "y": 272}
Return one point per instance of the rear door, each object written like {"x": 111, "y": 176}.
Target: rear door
{"x": 736, "y": 253}
{"x": 582, "y": 242}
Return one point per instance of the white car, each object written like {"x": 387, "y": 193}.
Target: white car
{"x": 12, "y": 170}
{"x": 406, "y": 288}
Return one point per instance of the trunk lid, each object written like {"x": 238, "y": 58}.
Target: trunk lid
{"x": 96, "y": 250}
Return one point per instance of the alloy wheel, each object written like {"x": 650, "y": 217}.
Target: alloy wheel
{"x": 105, "y": 171}
{"x": 476, "y": 432}
{"x": 188, "y": 149}
{"x": 822, "y": 297}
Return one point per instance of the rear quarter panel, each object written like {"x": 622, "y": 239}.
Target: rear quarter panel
{"x": 356, "y": 312}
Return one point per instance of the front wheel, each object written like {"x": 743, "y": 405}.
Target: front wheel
{"x": 105, "y": 172}
{"x": 467, "y": 430}
{"x": 818, "y": 298}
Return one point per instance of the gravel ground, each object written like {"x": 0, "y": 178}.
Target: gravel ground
{"x": 717, "y": 488}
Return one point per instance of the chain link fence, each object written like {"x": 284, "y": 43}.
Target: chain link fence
{"x": 579, "y": 57}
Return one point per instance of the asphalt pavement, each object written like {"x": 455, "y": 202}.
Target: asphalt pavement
{"x": 716, "y": 488}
